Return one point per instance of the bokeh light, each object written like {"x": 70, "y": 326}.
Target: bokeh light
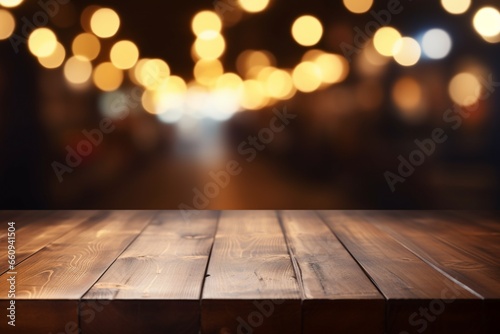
{"x": 250, "y": 61}
{"x": 148, "y": 102}
{"x": 206, "y": 21}
{"x": 105, "y": 22}
{"x": 42, "y": 42}
{"x": 384, "y": 40}
{"x": 207, "y": 71}
{"x": 307, "y": 30}
{"x": 492, "y": 39}
{"x": 464, "y": 89}
{"x": 407, "y": 95}
{"x": 334, "y": 68}
{"x": 124, "y": 54}
{"x": 487, "y": 21}
{"x": 312, "y": 54}
{"x": 456, "y": 6}
{"x": 253, "y": 6}
{"x": 135, "y": 72}
{"x": 169, "y": 99}
{"x": 55, "y": 59}
{"x": 173, "y": 84}
{"x": 107, "y": 77}
{"x": 7, "y": 24}
{"x": 436, "y": 43}
{"x": 358, "y": 6}
{"x": 307, "y": 77}
{"x": 209, "y": 46}
{"x": 254, "y": 95}
{"x": 10, "y": 3}
{"x": 279, "y": 84}
{"x": 86, "y": 17}
{"x": 86, "y": 45}
{"x": 407, "y": 51}
{"x": 77, "y": 70}
{"x": 263, "y": 74}
{"x": 152, "y": 73}
{"x": 229, "y": 81}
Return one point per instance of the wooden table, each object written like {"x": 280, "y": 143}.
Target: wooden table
{"x": 253, "y": 272}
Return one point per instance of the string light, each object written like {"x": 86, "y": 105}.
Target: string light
{"x": 55, "y": 59}
{"x": 265, "y": 83}
{"x": 487, "y": 21}
{"x": 107, "y": 77}
{"x": 77, "y": 70}
{"x": 436, "y": 43}
{"x": 358, "y": 6}
{"x": 209, "y": 45}
{"x": 334, "y": 68}
{"x": 307, "y": 30}
{"x": 10, "y": 3}
{"x": 254, "y": 6}
{"x": 307, "y": 77}
{"x": 105, "y": 22}
{"x": 124, "y": 55}
{"x": 206, "y": 21}
{"x": 86, "y": 45}
{"x": 42, "y": 42}
{"x": 407, "y": 51}
{"x": 456, "y": 6}
{"x": 384, "y": 40}
{"x": 7, "y": 24}
{"x": 464, "y": 89}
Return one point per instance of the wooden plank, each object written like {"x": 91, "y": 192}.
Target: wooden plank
{"x": 338, "y": 296}
{"x": 57, "y": 276}
{"x": 250, "y": 286}
{"x": 155, "y": 285}
{"x": 22, "y": 218}
{"x": 419, "y": 297}
{"x": 473, "y": 259}
{"x": 487, "y": 219}
{"x": 35, "y": 232}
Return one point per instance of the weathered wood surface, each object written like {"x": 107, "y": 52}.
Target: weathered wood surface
{"x": 333, "y": 282}
{"x": 59, "y": 274}
{"x": 155, "y": 285}
{"x": 410, "y": 285}
{"x": 33, "y": 232}
{"x": 466, "y": 252}
{"x": 253, "y": 272}
{"x": 250, "y": 284}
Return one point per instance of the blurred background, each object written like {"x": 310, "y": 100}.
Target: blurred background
{"x": 142, "y": 104}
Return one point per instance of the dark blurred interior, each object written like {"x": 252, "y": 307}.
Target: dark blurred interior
{"x": 334, "y": 154}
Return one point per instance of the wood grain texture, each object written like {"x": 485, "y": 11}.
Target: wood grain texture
{"x": 251, "y": 285}
{"x": 473, "y": 257}
{"x": 338, "y": 296}
{"x": 65, "y": 269}
{"x": 36, "y": 231}
{"x": 155, "y": 285}
{"x": 266, "y": 272}
{"x": 486, "y": 219}
{"x": 419, "y": 297}
{"x": 21, "y": 218}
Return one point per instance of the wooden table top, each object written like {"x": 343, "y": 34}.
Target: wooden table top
{"x": 252, "y": 272}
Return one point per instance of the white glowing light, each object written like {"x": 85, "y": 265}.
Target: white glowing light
{"x": 436, "y": 44}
